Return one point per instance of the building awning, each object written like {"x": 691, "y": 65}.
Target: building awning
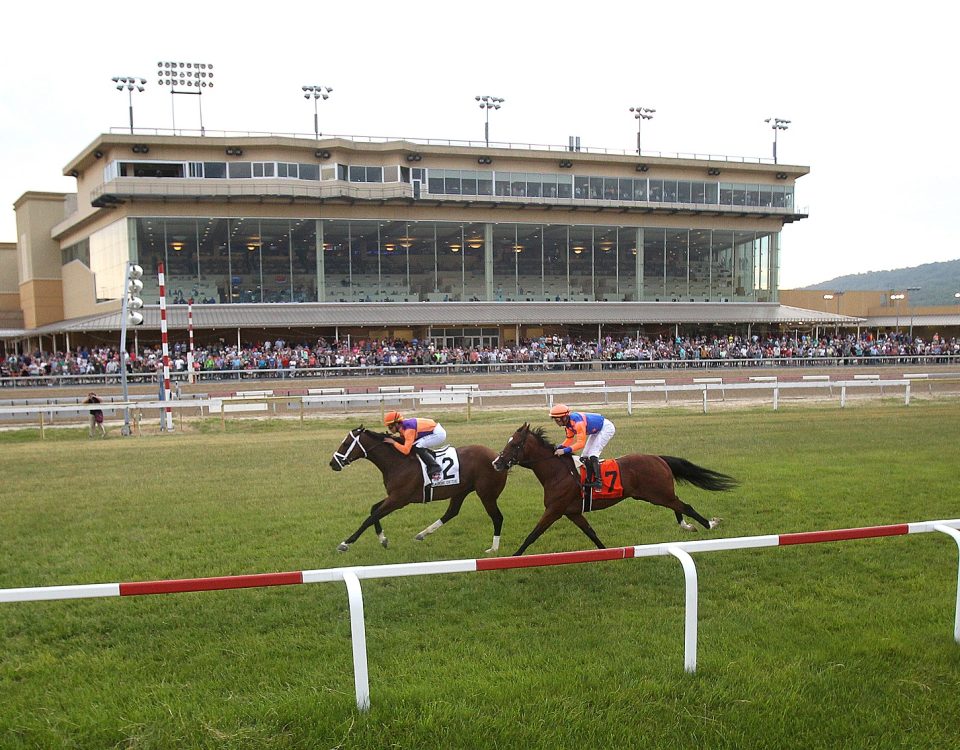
{"x": 421, "y": 314}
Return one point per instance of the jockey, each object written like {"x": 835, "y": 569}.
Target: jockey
{"x": 419, "y": 435}
{"x": 591, "y": 432}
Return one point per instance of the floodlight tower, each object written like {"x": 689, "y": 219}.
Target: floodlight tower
{"x": 488, "y": 103}
{"x": 641, "y": 114}
{"x": 776, "y": 124}
{"x": 315, "y": 93}
{"x": 131, "y": 84}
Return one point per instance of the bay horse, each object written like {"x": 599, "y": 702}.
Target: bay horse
{"x": 404, "y": 482}
{"x": 643, "y": 477}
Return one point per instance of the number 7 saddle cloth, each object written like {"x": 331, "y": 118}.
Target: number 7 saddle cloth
{"x": 611, "y": 485}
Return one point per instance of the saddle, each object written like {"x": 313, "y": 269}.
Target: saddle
{"x": 611, "y": 484}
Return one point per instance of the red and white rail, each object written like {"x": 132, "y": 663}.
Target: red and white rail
{"x": 165, "y": 350}
{"x": 352, "y": 576}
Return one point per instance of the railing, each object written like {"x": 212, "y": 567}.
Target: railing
{"x": 451, "y": 142}
{"x": 351, "y": 576}
{"x": 380, "y": 370}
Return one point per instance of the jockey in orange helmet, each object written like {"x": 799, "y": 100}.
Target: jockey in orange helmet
{"x": 419, "y": 435}
{"x": 591, "y": 432}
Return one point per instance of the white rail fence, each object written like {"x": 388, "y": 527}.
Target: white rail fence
{"x": 351, "y": 576}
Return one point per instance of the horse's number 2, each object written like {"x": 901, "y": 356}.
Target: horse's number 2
{"x": 447, "y": 464}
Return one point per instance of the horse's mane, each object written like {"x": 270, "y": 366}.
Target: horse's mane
{"x": 540, "y": 434}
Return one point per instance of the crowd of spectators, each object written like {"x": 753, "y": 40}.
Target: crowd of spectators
{"x": 287, "y": 358}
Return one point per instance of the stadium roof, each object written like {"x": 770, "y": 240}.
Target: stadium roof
{"x": 384, "y": 314}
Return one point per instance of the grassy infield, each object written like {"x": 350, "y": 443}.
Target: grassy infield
{"x": 832, "y": 645}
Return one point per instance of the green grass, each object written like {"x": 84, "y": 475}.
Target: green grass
{"x": 831, "y": 645}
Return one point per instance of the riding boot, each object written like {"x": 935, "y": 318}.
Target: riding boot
{"x": 593, "y": 473}
{"x": 433, "y": 468}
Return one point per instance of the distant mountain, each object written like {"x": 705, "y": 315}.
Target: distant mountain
{"x": 938, "y": 282}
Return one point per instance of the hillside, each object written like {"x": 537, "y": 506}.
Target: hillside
{"x": 937, "y": 282}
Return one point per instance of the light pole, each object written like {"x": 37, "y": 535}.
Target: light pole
{"x": 641, "y": 114}
{"x": 488, "y": 103}
{"x": 777, "y": 124}
{"x": 836, "y": 296}
{"x": 185, "y": 75}
{"x": 896, "y": 300}
{"x": 130, "y": 83}
{"x": 316, "y": 92}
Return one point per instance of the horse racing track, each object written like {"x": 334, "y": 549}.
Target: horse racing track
{"x": 820, "y": 645}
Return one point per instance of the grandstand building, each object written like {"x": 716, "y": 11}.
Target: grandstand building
{"x": 461, "y": 243}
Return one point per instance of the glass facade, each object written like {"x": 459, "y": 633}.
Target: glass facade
{"x": 266, "y": 260}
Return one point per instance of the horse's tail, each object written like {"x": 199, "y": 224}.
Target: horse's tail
{"x": 706, "y": 479}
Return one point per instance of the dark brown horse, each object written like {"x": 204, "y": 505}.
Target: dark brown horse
{"x": 643, "y": 477}
{"x": 404, "y": 481}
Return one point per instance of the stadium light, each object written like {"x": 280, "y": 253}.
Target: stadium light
{"x": 131, "y": 84}
{"x": 129, "y": 315}
{"x": 185, "y": 75}
{"x": 488, "y": 103}
{"x": 316, "y": 92}
{"x": 777, "y": 124}
{"x": 640, "y": 114}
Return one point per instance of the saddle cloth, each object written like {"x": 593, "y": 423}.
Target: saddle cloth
{"x": 449, "y": 462}
{"x": 611, "y": 484}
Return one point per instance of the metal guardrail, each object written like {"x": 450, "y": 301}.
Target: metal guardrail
{"x": 380, "y": 370}
{"x": 44, "y": 414}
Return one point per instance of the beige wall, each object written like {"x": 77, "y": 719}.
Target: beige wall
{"x": 38, "y": 257}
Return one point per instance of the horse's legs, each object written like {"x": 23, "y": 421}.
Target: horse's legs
{"x": 384, "y": 508}
{"x": 584, "y": 525}
{"x": 550, "y": 515}
{"x": 376, "y": 524}
{"x": 488, "y": 490}
{"x": 452, "y": 510}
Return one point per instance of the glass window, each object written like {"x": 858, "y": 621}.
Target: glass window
{"x": 683, "y": 192}
{"x": 357, "y": 174}
{"x": 373, "y": 174}
{"x": 726, "y": 194}
{"x": 533, "y": 185}
{"x": 669, "y": 191}
{"x": 196, "y": 169}
{"x": 549, "y": 183}
{"x": 214, "y": 169}
{"x": 518, "y": 184}
{"x": 468, "y": 182}
{"x": 640, "y": 190}
{"x": 484, "y": 183}
{"x": 713, "y": 195}
{"x": 609, "y": 189}
{"x": 753, "y": 195}
{"x": 342, "y": 172}
{"x": 656, "y": 190}
{"x": 309, "y": 171}
{"x": 239, "y": 169}
{"x": 435, "y": 182}
{"x": 390, "y": 173}
{"x": 564, "y": 185}
{"x": 451, "y": 182}
{"x": 596, "y": 188}
{"x": 263, "y": 169}
{"x": 698, "y": 192}
{"x": 581, "y": 187}
{"x": 766, "y": 196}
{"x": 626, "y": 190}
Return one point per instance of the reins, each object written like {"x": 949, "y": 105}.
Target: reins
{"x": 343, "y": 458}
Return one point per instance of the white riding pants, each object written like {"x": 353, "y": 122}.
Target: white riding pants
{"x": 434, "y": 440}
{"x": 598, "y": 441}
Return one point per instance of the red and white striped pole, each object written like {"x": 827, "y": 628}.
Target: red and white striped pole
{"x": 190, "y": 333}
{"x": 167, "y": 423}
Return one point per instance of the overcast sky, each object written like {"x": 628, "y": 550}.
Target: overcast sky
{"x": 869, "y": 88}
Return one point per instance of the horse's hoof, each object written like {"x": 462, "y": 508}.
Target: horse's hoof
{"x": 491, "y": 551}
{"x": 384, "y": 542}
{"x": 688, "y": 527}
{"x": 343, "y": 547}
{"x": 420, "y": 537}
{"x": 714, "y": 522}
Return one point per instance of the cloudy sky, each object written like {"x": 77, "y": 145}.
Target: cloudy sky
{"x": 869, "y": 88}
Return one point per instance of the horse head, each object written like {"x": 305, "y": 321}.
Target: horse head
{"x": 522, "y": 446}
{"x": 350, "y": 449}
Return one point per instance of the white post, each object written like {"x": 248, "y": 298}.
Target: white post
{"x": 956, "y": 616}
{"x": 630, "y": 403}
{"x": 906, "y": 395}
{"x": 704, "y": 399}
{"x": 358, "y": 636}
{"x": 843, "y": 396}
{"x": 776, "y": 398}
{"x": 690, "y": 607}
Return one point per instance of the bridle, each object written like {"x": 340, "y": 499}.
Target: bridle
{"x": 515, "y": 451}
{"x": 343, "y": 459}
